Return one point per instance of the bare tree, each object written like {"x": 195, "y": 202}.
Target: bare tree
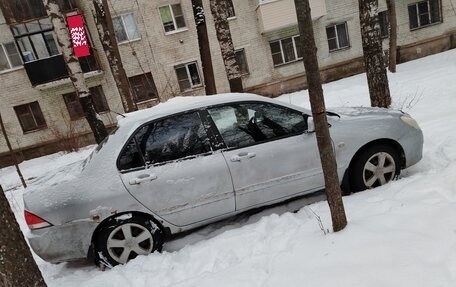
{"x": 391, "y": 6}
{"x": 204, "y": 47}
{"x": 74, "y": 69}
{"x": 17, "y": 266}
{"x": 12, "y": 153}
{"x": 317, "y": 102}
{"x": 377, "y": 78}
{"x": 219, "y": 9}
{"x": 108, "y": 39}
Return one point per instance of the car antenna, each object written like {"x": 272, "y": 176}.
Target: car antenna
{"x": 119, "y": 114}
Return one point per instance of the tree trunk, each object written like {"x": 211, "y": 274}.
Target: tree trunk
{"x": 204, "y": 47}
{"x": 219, "y": 10}
{"x": 108, "y": 39}
{"x": 317, "y": 102}
{"x": 377, "y": 78}
{"x": 74, "y": 69}
{"x": 13, "y": 154}
{"x": 17, "y": 266}
{"x": 391, "y": 6}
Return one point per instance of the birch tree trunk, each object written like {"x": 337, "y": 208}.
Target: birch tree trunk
{"x": 317, "y": 102}
{"x": 377, "y": 78}
{"x": 75, "y": 71}
{"x": 17, "y": 266}
{"x": 391, "y": 6}
{"x": 204, "y": 47}
{"x": 219, "y": 10}
{"x": 108, "y": 39}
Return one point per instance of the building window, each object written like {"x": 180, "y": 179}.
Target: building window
{"x": 384, "y": 24}
{"x": 143, "y": 87}
{"x": 231, "y": 13}
{"x": 286, "y": 50}
{"x": 74, "y": 106}
{"x": 188, "y": 76}
{"x": 424, "y": 13}
{"x": 30, "y": 117}
{"x": 9, "y": 56}
{"x": 242, "y": 61}
{"x": 337, "y": 36}
{"x": 172, "y": 17}
{"x": 125, "y": 28}
{"x": 35, "y": 39}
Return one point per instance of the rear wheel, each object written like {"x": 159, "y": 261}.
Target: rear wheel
{"x": 375, "y": 166}
{"x": 121, "y": 240}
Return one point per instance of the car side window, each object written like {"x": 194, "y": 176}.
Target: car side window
{"x": 245, "y": 124}
{"x": 173, "y": 138}
{"x": 130, "y": 157}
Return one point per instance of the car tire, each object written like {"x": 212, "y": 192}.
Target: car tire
{"x": 374, "y": 166}
{"x": 125, "y": 237}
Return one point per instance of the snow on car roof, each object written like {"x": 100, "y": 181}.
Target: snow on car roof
{"x": 180, "y": 104}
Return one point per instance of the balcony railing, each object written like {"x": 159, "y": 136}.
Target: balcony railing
{"x": 275, "y": 15}
{"x": 53, "y": 68}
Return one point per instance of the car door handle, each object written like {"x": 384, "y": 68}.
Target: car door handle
{"x": 142, "y": 178}
{"x": 242, "y": 155}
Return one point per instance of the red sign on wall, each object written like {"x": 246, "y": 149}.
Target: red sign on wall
{"x": 78, "y": 35}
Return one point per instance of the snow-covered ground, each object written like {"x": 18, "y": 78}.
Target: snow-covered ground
{"x": 402, "y": 234}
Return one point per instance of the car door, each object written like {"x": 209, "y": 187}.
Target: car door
{"x": 269, "y": 155}
{"x": 169, "y": 166}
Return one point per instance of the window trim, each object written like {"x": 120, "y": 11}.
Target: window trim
{"x": 295, "y": 50}
{"x": 189, "y": 78}
{"x": 419, "y": 26}
{"x": 7, "y": 56}
{"x": 337, "y": 36}
{"x": 37, "y": 127}
{"x": 176, "y": 29}
{"x": 246, "y": 63}
{"x": 121, "y": 16}
{"x": 387, "y": 24}
{"x": 27, "y": 35}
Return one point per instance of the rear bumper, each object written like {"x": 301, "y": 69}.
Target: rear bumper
{"x": 67, "y": 242}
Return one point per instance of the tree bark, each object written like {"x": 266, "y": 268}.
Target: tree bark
{"x": 391, "y": 6}
{"x": 219, "y": 10}
{"x": 377, "y": 78}
{"x": 74, "y": 69}
{"x": 13, "y": 154}
{"x": 204, "y": 47}
{"x": 108, "y": 39}
{"x": 17, "y": 266}
{"x": 317, "y": 102}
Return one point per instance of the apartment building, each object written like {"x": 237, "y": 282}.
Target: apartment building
{"x": 159, "y": 49}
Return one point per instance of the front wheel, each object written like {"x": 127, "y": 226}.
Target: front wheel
{"x": 375, "y": 166}
{"x": 122, "y": 239}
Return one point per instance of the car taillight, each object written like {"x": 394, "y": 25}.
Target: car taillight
{"x": 35, "y": 222}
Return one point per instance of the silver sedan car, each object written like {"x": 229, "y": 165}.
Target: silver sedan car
{"x": 195, "y": 160}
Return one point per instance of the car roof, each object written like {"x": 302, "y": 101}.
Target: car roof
{"x": 182, "y": 104}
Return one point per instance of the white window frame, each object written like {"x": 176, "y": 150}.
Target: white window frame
{"x": 176, "y": 29}
{"x": 334, "y": 26}
{"x": 293, "y": 40}
{"x": 7, "y": 56}
{"x": 129, "y": 38}
{"x": 189, "y": 76}
{"x": 418, "y": 18}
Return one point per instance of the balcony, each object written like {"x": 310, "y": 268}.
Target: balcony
{"x": 278, "y": 14}
{"x": 53, "y": 68}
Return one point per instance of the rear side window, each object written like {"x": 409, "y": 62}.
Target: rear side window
{"x": 170, "y": 139}
{"x": 245, "y": 124}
